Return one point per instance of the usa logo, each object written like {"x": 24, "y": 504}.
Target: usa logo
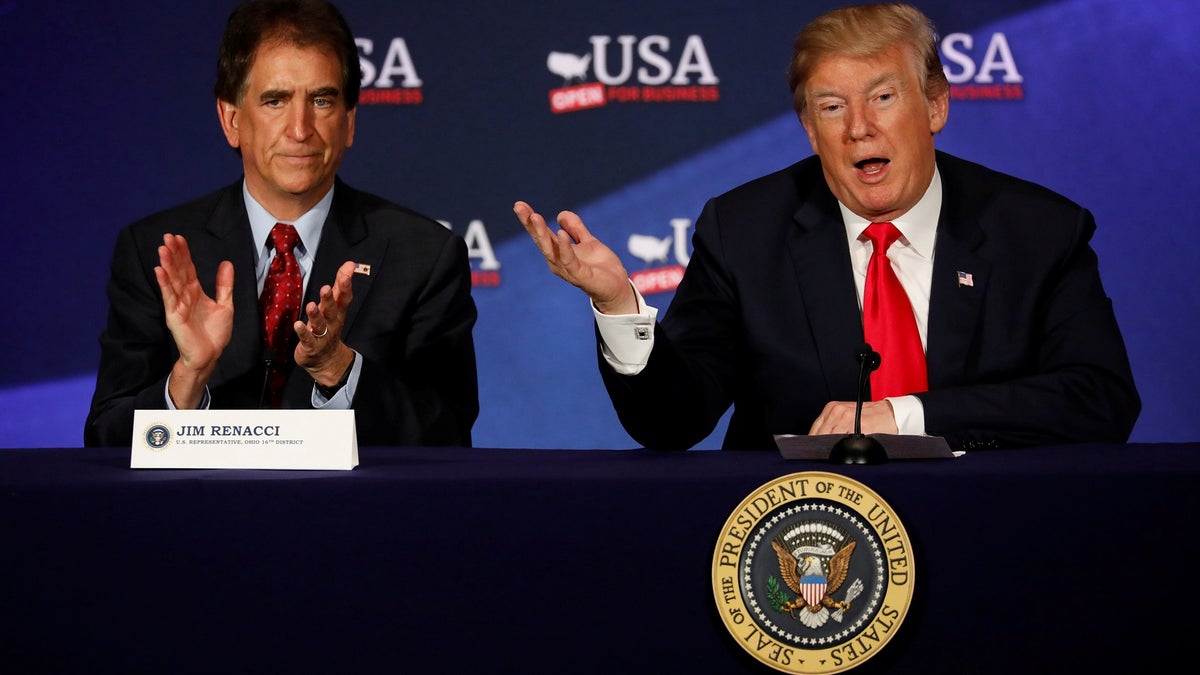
{"x": 813, "y": 573}
{"x": 658, "y": 275}
{"x": 485, "y": 268}
{"x": 633, "y": 69}
{"x": 388, "y": 77}
{"x": 979, "y": 71}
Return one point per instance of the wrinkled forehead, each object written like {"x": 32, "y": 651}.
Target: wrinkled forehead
{"x": 848, "y": 73}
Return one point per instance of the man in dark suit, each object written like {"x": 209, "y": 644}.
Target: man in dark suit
{"x": 389, "y": 335}
{"x": 1018, "y": 343}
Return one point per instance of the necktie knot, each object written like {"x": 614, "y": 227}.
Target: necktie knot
{"x": 882, "y": 236}
{"x": 284, "y": 237}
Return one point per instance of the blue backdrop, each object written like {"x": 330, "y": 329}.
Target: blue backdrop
{"x": 648, "y": 108}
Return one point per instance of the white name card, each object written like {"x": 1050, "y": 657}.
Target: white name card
{"x": 244, "y": 439}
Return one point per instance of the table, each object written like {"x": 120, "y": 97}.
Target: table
{"x": 459, "y": 560}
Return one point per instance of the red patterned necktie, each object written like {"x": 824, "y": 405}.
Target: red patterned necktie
{"x": 280, "y": 306}
{"x": 888, "y": 323}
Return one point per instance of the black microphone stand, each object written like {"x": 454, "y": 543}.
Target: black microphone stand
{"x": 857, "y": 448}
{"x": 268, "y": 357}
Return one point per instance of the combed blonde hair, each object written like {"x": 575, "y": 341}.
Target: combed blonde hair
{"x": 863, "y": 31}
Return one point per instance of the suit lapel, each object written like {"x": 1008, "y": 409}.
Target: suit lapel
{"x": 955, "y": 303}
{"x": 826, "y": 280}
{"x": 230, "y": 228}
{"x": 345, "y": 237}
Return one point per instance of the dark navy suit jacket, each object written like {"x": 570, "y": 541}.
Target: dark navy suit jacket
{"x": 766, "y": 319}
{"x": 411, "y": 319}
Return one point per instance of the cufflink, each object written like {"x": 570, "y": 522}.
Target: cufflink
{"x": 642, "y": 332}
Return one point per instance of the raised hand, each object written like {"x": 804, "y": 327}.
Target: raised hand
{"x": 320, "y": 350}
{"x": 582, "y": 260}
{"x": 201, "y": 326}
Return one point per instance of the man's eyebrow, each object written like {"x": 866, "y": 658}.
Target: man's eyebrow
{"x": 884, "y": 78}
{"x": 324, "y": 92}
{"x": 275, "y": 94}
{"x": 877, "y": 81}
{"x": 825, "y": 92}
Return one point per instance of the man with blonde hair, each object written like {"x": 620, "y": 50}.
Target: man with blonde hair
{"x": 979, "y": 290}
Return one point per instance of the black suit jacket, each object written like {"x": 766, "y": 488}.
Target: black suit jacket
{"x": 411, "y": 319}
{"x": 766, "y": 319}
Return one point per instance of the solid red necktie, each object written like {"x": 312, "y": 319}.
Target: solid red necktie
{"x": 888, "y": 323}
{"x": 279, "y": 305}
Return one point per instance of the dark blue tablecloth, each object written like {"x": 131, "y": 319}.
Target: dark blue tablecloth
{"x": 452, "y": 560}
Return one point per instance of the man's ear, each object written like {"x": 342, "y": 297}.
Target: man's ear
{"x": 939, "y": 111}
{"x": 228, "y": 114}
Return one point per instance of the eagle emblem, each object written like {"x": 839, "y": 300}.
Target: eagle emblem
{"x": 814, "y": 561}
{"x": 812, "y": 573}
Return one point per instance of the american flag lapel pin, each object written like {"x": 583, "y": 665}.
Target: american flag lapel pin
{"x": 966, "y": 279}
{"x": 365, "y": 270}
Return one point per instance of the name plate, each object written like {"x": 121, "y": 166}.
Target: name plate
{"x": 244, "y": 439}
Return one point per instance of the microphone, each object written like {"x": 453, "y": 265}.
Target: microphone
{"x": 268, "y": 357}
{"x": 857, "y": 448}
{"x": 868, "y": 361}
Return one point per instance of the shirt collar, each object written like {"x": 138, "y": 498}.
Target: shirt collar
{"x": 918, "y": 225}
{"x": 308, "y": 226}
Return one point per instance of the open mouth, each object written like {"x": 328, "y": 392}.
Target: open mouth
{"x": 871, "y": 165}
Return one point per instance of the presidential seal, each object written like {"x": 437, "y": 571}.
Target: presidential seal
{"x": 157, "y": 436}
{"x": 813, "y": 573}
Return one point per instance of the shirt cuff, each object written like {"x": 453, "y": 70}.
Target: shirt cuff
{"x": 205, "y": 398}
{"x": 341, "y": 399}
{"x": 626, "y": 339}
{"x": 910, "y": 415}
